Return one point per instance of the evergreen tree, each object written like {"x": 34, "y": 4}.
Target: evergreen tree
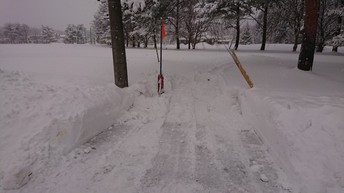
{"x": 327, "y": 23}
{"x": 337, "y": 41}
{"x": 10, "y": 33}
{"x": 132, "y": 18}
{"x": 339, "y": 36}
{"x": 80, "y": 34}
{"x": 48, "y": 35}
{"x": 139, "y": 21}
{"x": 75, "y": 34}
{"x": 16, "y": 33}
{"x": 101, "y": 24}
{"x": 70, "y": 33}
{"x": 24, "y": 33}
{"x": 2, "y": 36}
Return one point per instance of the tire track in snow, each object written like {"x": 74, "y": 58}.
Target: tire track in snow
{"x": 172, "y": 167}
{"x": 188, "y": 159}
{"x": 203, "y": 146}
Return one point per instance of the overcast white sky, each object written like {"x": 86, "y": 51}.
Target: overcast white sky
{"x": 54, "y": 13}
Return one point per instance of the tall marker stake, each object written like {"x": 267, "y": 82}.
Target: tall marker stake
{"x": 160, "y": 76}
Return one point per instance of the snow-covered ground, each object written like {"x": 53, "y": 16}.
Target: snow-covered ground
{"x": 207, "y": 133}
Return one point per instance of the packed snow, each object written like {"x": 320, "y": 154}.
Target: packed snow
{"x": 67, "y": 128}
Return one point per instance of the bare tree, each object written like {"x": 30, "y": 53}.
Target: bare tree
{"x": 196, "y": 21}
{"x": 263, "y": 6}
{"x": 175, "y": 7}
{"x": 295, "y": 19}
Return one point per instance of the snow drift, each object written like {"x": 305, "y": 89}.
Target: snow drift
{"x": 302, "y": 134}
{"x": 58, "y": 119}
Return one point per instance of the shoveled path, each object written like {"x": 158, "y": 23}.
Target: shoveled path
{"x": 191, "y": 139}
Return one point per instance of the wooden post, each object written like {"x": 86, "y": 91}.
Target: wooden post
{"x": 117, "y": 42}
{"x": 242, "y": 70}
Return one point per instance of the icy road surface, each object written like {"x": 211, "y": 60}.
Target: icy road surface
{"x": 191, "y": 139}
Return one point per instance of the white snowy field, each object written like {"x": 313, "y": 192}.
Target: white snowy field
{"x": 207, "y": 133}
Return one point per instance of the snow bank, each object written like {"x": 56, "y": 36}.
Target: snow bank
{"x": 299, "y": 115}
{"x": 316, "y": 126}
{"x": 259, "y": 115}
{"x": 305, "y": 134}
{"x": 40, "y": 122}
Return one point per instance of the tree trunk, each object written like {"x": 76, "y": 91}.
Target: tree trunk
{"x": 194, "y": 43}
{"x": 118, "y": 47}
{"x": 296, "y": 35}
{"x": 177, "y": 26}
{"x": 178, "y": 43}
{"x": 127, "y": 39}
{"x": 146, "y": 41}
{"x": 134, "y": 41}
{"x": 297, "y": 26}
{"x": 296, "y": 39}
{"x": 306, "y": 56}
{"x": 154, "y": 40}
{"x": 237, "y": 39}
{"x": 320, "y": 46}
{"x": 189, "y": 43}
{"x": 265, "y": 25}
{"x": 320, "y": 41}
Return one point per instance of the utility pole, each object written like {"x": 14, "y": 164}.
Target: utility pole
{"x": 117, "y": 41}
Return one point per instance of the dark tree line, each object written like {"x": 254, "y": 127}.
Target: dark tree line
{"x": 15, "y": 33}
{"x": 75, "y": 34}
{"x": 193, "y": 21}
